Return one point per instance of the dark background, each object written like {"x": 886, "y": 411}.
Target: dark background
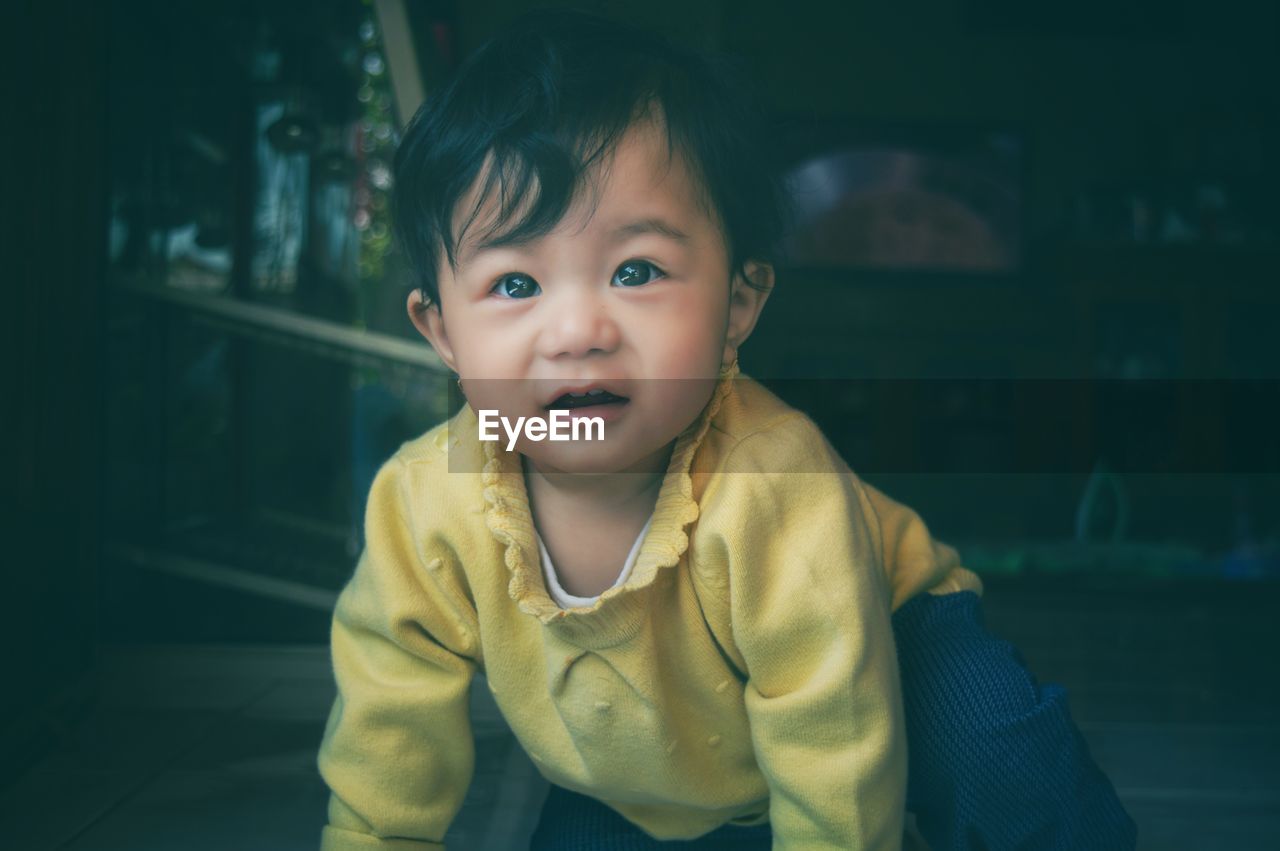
{"x": 186, "y": 473}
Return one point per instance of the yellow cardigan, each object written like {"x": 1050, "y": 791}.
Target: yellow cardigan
{"x": 745, "y": 671}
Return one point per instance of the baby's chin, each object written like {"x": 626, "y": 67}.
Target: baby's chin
{"x": 597, "y": 458}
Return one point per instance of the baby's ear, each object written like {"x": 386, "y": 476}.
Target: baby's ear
{"x": 426, "y": 317}
{"x": 750, "y": 290}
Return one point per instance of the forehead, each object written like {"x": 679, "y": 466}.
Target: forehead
{"x": 643, "y": 179}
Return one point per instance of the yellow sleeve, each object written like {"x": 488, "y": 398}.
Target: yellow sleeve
{"x": 809, "y": 606}
{"x": 397, "y": 753}
{"x": 913, "y": 561}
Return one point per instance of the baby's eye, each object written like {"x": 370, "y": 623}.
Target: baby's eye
{"x": 516, "y": 286}
{"x": 633, "y": 273}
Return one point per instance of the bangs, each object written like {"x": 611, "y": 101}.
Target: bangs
{"x": 526, "y": 185}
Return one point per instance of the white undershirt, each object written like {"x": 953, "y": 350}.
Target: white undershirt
{"x": 569, "y": 601}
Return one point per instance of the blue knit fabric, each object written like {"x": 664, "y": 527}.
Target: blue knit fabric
{"x": 994, "y": 759}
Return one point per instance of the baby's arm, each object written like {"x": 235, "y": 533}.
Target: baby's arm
{"x": 913, "y": 560}
{"x": 809, "y": 604}
{"x": 397, "y": 754}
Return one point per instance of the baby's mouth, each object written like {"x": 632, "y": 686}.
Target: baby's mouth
{"x": 588, "y": 399}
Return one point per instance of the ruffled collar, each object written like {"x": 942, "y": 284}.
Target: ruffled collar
{"x": 619, "y": 612}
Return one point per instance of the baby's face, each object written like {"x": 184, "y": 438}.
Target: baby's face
{"x": 633, "y": 296}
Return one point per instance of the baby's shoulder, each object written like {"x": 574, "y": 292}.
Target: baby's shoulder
{"x": 430, "y": 475}
{"x": 755, "y": 431}
{"x": 428, "y": 447}
{"x": 444, "y": 447}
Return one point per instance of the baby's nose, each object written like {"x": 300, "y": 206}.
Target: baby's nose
{"x": 581, "y": 323}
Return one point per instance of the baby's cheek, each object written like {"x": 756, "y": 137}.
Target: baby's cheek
{"x": 690, "y": 351}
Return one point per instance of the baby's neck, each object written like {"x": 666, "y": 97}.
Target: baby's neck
{"x": 588, "y": 522}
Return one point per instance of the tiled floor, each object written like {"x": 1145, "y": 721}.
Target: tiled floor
{"x": 213, "y": 747}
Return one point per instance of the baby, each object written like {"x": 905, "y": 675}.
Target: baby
{"x": 690, "y": 623}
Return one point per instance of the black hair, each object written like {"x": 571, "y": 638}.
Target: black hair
{"x": 549, "y": 99}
